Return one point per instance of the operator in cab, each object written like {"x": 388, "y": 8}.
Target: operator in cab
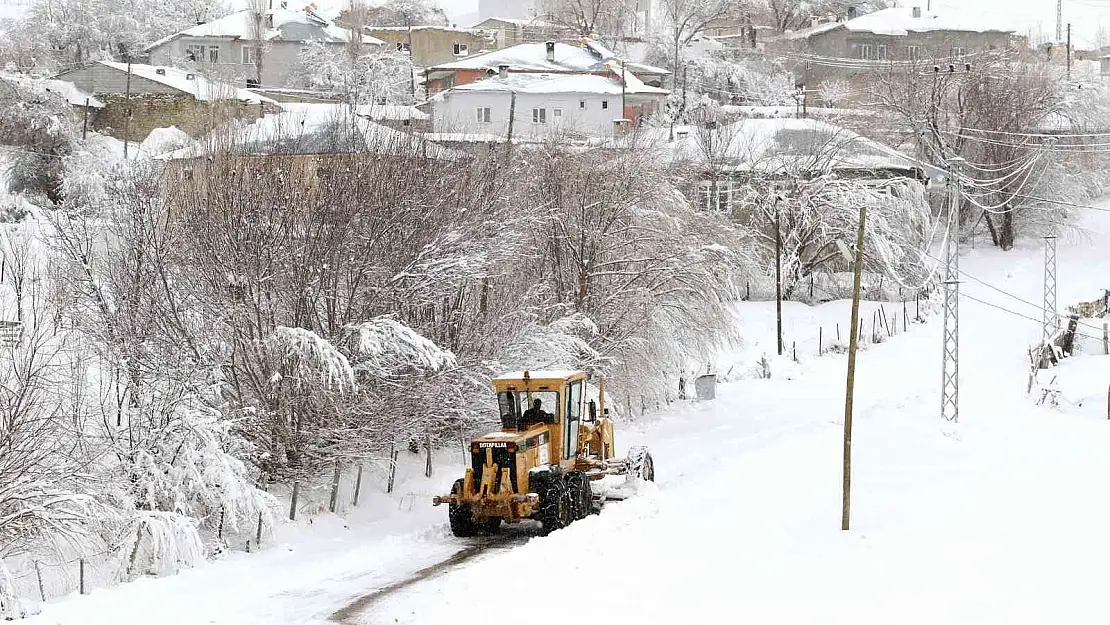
{"x": 535, "y": 414}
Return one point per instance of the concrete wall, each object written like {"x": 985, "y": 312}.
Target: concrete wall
{"x": 840, "y": 43}
{"x": 281, "y": 66}
{"x": 432, "y": 46}
{"x": 580, "y": 113}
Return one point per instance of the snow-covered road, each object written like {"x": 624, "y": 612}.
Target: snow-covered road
{"x": 999, "y": 519}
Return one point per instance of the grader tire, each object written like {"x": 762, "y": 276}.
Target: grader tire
{"x": 582, "y": 495}
{"x": 556, "y": 507}
{"x": 640, "y": 464}
{"x": 460, "y": 517}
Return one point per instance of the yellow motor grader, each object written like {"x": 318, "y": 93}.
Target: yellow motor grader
{"x": 552, "y": 444}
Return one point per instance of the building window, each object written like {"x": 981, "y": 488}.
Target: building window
{"x": 249, "y": 55}
{"x": 582, "y": 104}
{"x": 865, "y": 51}
{"x": 880, "y": 52}
{"x": 194, "y": 53}
{"x": 556, "y": 113}
{"x": 539, "y": 116}
{"x": 913, "y": 53}
{"x": 213, "y": 54}
{"x": 958, "y": 53}
{"x": 483, "y": 115}
{"x": 715, "y": 197}
{"x": 605, "y": 104}
{"x": 460, "y": 49}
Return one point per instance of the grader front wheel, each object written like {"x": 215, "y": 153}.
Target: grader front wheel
{"x": 460, "y": 517}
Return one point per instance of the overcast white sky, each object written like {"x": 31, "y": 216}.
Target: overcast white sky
{"x": 1086, "y": 16}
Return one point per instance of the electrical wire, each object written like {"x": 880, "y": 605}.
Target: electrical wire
{"x": 1023, "y": 316}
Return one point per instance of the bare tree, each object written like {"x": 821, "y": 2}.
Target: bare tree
{"x": 606, "y": 19}
{"x": 985, "y": 112}
{"x": 685, "y": 19}
{"x": 794, "y": 14}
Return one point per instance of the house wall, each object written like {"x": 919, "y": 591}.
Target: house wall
{"x": 281, "y": 66}
{"x": 841, "y": 43}
{"x": 433, "y": 46}
{"x": 581, "y": 113}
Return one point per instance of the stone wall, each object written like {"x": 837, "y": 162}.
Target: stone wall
{"x": 150, "y": 111}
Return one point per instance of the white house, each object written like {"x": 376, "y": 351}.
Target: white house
{"x": 580, "y": 105}
{"x": 230, "y": 46}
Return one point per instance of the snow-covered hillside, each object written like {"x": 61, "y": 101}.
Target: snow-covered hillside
{"x": 1000, "y": 518}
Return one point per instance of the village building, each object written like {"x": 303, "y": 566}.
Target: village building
{"x": 551, "y": 57}
{"x": 137, "y": 98}
{"x": 433, "y": 45}
{"x": 239, "y": 46}
{"x": 539, "y": 105}
{"x": 847, "y": 49}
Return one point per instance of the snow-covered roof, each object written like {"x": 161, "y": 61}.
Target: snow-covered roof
{"x": 72, "y": 94}
{"x": 532, "y": 57}
{"x": 560, "y": 83}
{"x": 773, "y": 145}
{"x": 553, "y": 374}
{"x": 900, "y": 21}
{"x": 194, "y": 84}
{"x": 391, "y": 112}
{"x": 321, "y": 129}
{"x": 282, "y": 25}
{"x": 519, "y": 22}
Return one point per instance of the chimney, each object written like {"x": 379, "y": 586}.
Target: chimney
{"x": 917, "y": 12}
{"x": 550, "y": 51}
{"x": 503, "y": 71}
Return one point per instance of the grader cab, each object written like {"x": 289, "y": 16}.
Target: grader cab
{"x": 553, "y": 444}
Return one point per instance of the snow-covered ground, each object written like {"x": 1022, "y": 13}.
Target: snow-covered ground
{"x": 1002, "y": 518}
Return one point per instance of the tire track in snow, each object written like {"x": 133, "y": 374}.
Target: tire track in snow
{"x": 355, "y": 612}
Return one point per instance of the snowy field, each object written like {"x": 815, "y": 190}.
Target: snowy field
{"x": 1002, "y": 518}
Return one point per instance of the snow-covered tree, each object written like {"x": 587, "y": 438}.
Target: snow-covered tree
{"x": 685, "y": 19}
{"x": 407, "y": 13}
{"x": 796, "y": 14}
{"x": 360, "y": 76}
{"x": 41, "y": 125}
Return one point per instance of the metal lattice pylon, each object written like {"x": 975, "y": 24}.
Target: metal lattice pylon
{"x": 1051, "y": 319}
{"x": 950, "y": 370}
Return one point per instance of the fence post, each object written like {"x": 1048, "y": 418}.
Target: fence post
{"x": 820, "y": 340}
{"x": 334, "y": 503}
{"x": 905, "y": 317}
{"x": 794, "y": 348}
{"x": 81, "y": 575}
{"x": 428, "y": 466}
{"x": 358, "y": 484}
{"x": 1108, "y": 404}
{"x": 38, "y": 573}
{"x": 875, "y": 326}
{"x": 258, "y": 532}
{"x": 392, "y": 467}
{"x": 293, "y": 502}
{"x": 860, "y": 328}
{"x": 1106, "y": 338}
{"x": 749, "y": 297}
{"x": 837, "y": 331}
{"x": 220, "y": 531}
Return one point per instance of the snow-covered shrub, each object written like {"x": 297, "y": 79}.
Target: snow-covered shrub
{"x": 42, "y": 124}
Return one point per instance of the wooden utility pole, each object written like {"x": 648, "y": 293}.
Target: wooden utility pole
{"x": 127, "y": 118}
{"x": 512, "y": 119}
{"x": 778, "y": 274}
{"x": 624, "y": 91}
{"x": 853, "y": 346}
{"x": 1069, "y": 51}
{"x": 85, "y": 122}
